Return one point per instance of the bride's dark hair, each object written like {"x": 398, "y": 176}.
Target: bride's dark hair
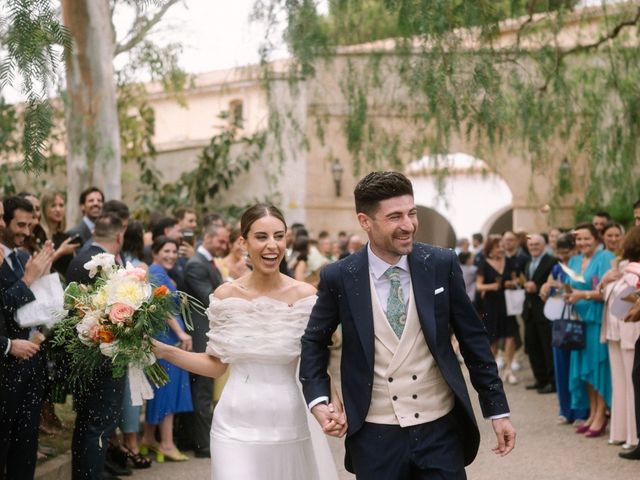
{"x": 256, "y": 213}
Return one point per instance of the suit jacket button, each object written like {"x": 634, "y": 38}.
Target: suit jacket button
{"x": 417, "y": 415}
{"x": 395, "y": 397}
{"x": 390, "y": 379}
{"x": 415, "y": 377}
{"x": 414, "y": 396}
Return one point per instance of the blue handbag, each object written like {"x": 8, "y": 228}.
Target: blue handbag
{"x": 566, "y": 333}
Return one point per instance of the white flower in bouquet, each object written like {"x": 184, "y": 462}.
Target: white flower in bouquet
{"x": 109, "y": 349}
{"x": 88, "y": 329}
{"x": 128, "y": 290}
{"x": 100, "y": 299}
{"x": 100, "y": 262}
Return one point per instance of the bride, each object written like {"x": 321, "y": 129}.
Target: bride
{"x": 260, "y": 426}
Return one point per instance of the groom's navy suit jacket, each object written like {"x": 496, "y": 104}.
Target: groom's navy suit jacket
{"x": 344, "y": 297}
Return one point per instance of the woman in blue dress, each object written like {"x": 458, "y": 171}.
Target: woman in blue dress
{"x": 175, "y": 396}
{"x": 590, "y": 366}
{"x": 565, "y": 249}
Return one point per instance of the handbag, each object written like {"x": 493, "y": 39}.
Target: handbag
{"x": 567, "y": 333}
{"x": 514, "y": 300}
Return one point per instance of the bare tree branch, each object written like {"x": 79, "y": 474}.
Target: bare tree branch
{"x": 610, "y": 35}
{"x": 141, "y": 26}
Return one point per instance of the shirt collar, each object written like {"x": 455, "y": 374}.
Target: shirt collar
{"x": 89, "y": 223}
{"x": 537, "y": 259}
{"x": 205, "y": 253}
{"x": 379, "y": 266}
{"x": 7, "y": 251}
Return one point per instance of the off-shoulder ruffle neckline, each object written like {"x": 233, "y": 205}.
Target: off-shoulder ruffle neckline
{"x": 252, "y": 301}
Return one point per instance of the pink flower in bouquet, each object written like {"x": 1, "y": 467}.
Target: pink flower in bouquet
{"x": 94, "y": 332}
{"x": 120, "y": 313}
{"x": 139, "y": 274}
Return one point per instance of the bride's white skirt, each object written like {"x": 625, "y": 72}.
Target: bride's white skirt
{"x": 262, "y": 429}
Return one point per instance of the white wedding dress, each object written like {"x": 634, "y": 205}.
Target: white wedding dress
{"x": 261, "y": 427}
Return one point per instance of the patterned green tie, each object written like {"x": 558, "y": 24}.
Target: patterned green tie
{"x": 396, "y": 310}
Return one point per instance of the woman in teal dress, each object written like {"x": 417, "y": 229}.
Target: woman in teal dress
{"x": 589, "y": 373}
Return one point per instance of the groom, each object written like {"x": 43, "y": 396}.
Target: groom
{"x": 398, "y": 301}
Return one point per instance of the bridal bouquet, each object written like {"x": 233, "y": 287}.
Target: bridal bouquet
{"x": 116, "y": 317}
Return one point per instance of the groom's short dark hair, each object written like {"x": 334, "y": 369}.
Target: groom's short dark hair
{"x": 378, "y": 186}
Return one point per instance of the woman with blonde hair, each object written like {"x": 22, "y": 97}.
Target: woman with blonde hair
{"x": 52, "y": 223}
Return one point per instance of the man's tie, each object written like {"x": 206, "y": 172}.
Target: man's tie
{"x": 15, "y": 264}
{"x": 396, "y": 309}
{"x": 532, "y": 267}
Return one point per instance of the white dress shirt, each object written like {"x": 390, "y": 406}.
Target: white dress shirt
{"x": 377, "y": 269}
{"x": 205, "y": 253}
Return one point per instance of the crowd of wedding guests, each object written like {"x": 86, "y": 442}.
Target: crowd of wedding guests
{"x": 521, "y": 283}
{"x": 513, "y": 279}
{"x": 180, "y": 251}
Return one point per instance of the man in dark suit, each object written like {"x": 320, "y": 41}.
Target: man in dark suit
{"x": 22, "y": 367}
{"x": 91, "y": 201}
{"x": 408, "y": 410}
{"x": 97, "y": 407}
{"x": 201, "y": 278}
{"x": 537, "y": 330}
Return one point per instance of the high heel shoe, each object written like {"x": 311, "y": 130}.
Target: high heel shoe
{"x": 173, "y": 456}
{"x": 584, "y": 428}
{"x": 509, "y": 377}
{"x": 137, "y": 459}
{"x": 145, "y": 448}
{"x": 591, "y": 433}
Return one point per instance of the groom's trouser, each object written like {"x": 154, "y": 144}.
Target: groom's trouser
{"x": 22, "y": 387}
{"x": 430, "y": 451}
{"x": 202, "y": 397}
{"x": 98, "y": 413}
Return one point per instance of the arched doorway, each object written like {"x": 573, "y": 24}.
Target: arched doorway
{"x": 471, "y": 193}
{"x": 434, "y": 228}
{"x": 500, "y": 222}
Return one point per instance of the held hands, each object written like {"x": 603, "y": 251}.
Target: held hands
{"x": 505, "y": 434}
{"x": 530, "y": 287}
{"x": 23, "y": 349}
{"x": 331, "y": 418}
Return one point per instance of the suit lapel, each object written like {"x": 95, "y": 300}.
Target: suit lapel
{"x": 423, "y": 282}
{"x": 355, "y": 274}
{"x": 8, "y": 275}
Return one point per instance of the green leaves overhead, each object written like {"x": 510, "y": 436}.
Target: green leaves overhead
{"x": 34, "y": 43}
{"x": 544, "y": 79}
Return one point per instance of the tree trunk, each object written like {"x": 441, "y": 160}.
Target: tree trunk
{"x": 93, "y": 132}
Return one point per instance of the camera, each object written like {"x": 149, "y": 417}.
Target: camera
{"x": 189, "y": 237}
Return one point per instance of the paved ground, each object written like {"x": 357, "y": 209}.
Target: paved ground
{"x": 545, "y": 451}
